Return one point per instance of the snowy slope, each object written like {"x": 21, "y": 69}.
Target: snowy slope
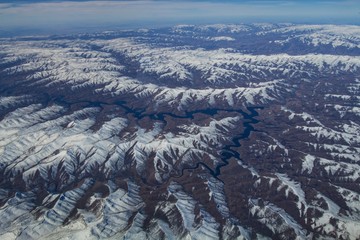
{"x": 152, "y": 134}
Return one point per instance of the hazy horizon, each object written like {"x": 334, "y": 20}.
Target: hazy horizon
{"x": 57, "y": 17}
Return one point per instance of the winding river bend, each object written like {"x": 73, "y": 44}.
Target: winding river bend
{"x": 249, "y": 119}
{"x": 228, "y": 152}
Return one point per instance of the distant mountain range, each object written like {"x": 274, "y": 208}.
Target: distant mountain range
{"x": 198, "y": 132}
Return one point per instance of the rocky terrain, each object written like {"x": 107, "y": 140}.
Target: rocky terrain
{"x": 190, "y": 132}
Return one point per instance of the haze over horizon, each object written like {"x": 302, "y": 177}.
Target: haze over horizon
{"x": 57, "y": 17}
{"x": 203, "y": 119}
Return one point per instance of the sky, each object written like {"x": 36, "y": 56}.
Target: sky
{"x": 33, "y": 17}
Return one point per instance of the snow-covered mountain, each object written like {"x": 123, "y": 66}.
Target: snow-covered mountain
{"x": 197, "y": 132}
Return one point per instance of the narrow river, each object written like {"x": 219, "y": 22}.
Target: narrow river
{"x": 228, "y": 151}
